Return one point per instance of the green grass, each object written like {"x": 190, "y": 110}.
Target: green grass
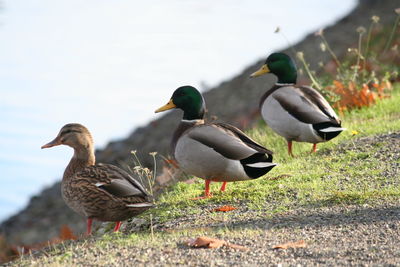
{"x": 320, "y": 179}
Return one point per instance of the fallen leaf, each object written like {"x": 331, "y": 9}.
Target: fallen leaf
{"x": 224, "y": 208}
{"x": 208, "y": 242}
{"x": 66, "y": 233}
{"x": 297, "y": 244}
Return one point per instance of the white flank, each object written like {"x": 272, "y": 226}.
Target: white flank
{"x": 140, "y": 205}
{"x": 332, "y": 129}
{"x": 99, "y": 184}
{"x": 261, "y": 164}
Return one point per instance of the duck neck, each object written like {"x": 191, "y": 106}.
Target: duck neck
{"x": 183, "y": 126}
{"x": 287, "y": 78}
{"x": 191, "y": 114}
{"x": 82, "y": 158}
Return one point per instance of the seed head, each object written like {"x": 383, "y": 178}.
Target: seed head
{"x": 361, "y": 30}
{"x": 375, "y": 19}
{"x": 322, "y": 46}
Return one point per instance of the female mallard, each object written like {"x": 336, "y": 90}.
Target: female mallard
{"x": 298, "y": 113}
{"x": 213, "y": 151}
{"x": 100, "y": 192}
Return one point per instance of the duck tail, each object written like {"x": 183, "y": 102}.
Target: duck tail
{"x": 328, "y": 130}
{"x": 257, "y": 165}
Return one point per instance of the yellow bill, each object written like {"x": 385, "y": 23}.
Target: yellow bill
{"x": 263, "y": 70}
{"x": 169, "y": 105}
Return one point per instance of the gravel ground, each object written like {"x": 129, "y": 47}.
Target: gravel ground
{"x": 341, "y": 235}
{"x": 367, "y": 234}
{"x": 334, "y": 236}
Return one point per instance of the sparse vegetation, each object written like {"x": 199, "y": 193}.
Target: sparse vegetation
{"x": 332, "y": 177}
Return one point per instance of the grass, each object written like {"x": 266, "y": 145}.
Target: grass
{"x": 309, "y": 179}
{"x": 334, "y": 175}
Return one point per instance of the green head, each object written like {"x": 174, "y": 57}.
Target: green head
{"x": 281, "y": 65}
{"x": 189, "y": 99}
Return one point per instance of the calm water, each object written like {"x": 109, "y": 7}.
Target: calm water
{"x": 110, "y": 64}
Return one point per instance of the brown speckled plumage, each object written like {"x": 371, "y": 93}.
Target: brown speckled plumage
{"x": 101, "y": 192}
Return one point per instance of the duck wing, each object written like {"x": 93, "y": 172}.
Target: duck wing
{"x": 306, "y": 105}
{"x": 114, "y": 180}
{"x": 227, "y": 140}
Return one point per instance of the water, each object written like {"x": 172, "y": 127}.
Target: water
{"x": 110, "y": 64}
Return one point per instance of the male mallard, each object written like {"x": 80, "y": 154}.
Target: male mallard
{"x": 298, "y": 113}
{"x": 213, "y": 151}
{"x": 97, "y": 191}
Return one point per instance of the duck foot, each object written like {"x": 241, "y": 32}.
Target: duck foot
{"x": 117, "y": 226}
{"x": 223, "y": 187}
{"x": 289, "y": 145}
{"x": 314, "y": 148}
{"x": 207, "y": 193}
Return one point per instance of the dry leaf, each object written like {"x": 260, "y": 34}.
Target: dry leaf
{"x": 224, "y": 208}
{"x": 208, "y": 242}
{"x": 297, "y": 244}
{"x": 353, "y": 97}
{"x": 66, "y": 233}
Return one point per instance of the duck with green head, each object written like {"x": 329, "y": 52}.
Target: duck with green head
{"x": 213, "y": 151}
{"x": 298, "y": 113}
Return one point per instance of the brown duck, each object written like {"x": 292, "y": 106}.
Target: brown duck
{"x": 100, "y": 192}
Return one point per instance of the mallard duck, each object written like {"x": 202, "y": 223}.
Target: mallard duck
{"x": 100, "y": 192}
{"x": 213, "y": 151}
{"x": 298, "y": 113}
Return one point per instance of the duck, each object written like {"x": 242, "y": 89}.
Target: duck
{"x": 213, "y": 151}
{"x": 295, "y": 112}
{"x": 101, "y": 192}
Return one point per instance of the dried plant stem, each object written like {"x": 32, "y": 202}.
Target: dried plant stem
{"x": 289, "y": 44}
{"x": 366, "y": 50}
{"x": 333, "y": 55}
{"x": 389, "y": 42}
{"x": 312, "y": 78}
{"x": 137, "y": 159}
{"x": 357, "y": 66}
{"x": 151, "y": 227}
{"x": 151, "y": 183}
{"x": 368, "y": 41}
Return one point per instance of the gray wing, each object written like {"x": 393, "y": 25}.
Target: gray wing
{"x": 115, "y": 180}
{"x": 305, "y": 104}
{"x": 242, "y": 136}
{"x": 222, "y": 140}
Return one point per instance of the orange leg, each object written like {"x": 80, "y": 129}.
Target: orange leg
{"x": 314, "y": 148}
{"x": 207, "y": 189}
{"x": 117, "y": 226}
{"x": 206, "y": 192}
{"x": 89, "y": 226}
{"x": 223, "y": 187}
{"x": 289, "y": 145}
